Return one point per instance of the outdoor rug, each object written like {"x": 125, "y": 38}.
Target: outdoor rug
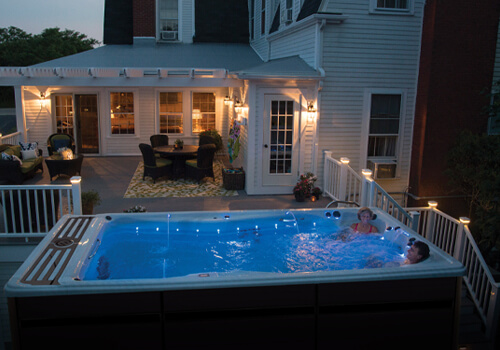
{"x": 176, "y": 188}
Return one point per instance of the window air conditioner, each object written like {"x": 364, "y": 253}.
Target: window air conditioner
{"x": 382, "y": 168}
{"x": 170, "y": 35}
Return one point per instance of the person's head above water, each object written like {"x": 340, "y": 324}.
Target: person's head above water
{"x": 365, "y": 212}
{"x": 419, "y": 251}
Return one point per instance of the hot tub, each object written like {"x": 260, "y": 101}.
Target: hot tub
{"x": 219, "y": 279}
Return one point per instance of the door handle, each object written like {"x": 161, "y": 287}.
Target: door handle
{"x": 265, "y": 146}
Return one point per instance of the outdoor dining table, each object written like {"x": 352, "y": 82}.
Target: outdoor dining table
{"x": 179, "y": 156}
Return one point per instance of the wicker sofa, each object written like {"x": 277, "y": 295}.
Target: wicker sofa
{"x": 12, "y": 170}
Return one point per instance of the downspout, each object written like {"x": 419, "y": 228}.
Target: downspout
{"x": 319, "y": 66}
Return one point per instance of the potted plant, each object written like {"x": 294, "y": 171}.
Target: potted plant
{"x": 303, "y": 188}
{"x": 316, "y": 193}
{"x": 136, "y": 209}
{"x": 233, "y": 179}
{"x": 179, "y": 144}
{"x": 216, "y": 136}
{"x": 89, "y": 200}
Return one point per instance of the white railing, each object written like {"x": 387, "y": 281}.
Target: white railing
{"x": 34, "y": 210}
{"x": 454, "y": 237}
{"x": 11, "y": 139}
{"x": 340, "y": 181}
{"x": 449, "y": 234}
{"x": 344, "y": 185}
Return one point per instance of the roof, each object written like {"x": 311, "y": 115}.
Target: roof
{"x": 233, "y": 57}
{"x": 288, "y": 67}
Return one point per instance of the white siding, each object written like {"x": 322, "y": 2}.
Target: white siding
{"x": 301, "y": 43}
{"x": 367, "y": 52}
{"x": 186, "y": 20}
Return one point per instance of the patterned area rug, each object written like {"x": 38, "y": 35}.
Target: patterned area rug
{"x": 176, "y": 188}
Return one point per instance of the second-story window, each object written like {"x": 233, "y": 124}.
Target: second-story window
{"x": 252, "y": 18}
{"x": 168, "y": 13}
{"x": 289, "y": 12}
{"x": 263, "y": 17}
{"x": 393, "y": 4}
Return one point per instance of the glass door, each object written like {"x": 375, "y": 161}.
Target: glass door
{"x": 87, "y": 121}
{"x": 280, "y": 157}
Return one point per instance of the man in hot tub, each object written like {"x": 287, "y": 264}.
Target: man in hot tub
{"x": 419, "y": 251}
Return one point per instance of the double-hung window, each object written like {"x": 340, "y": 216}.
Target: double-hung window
{"x": 263, "y": 17}
{"x": 391, "y": 6}
{"x": 252, "y": 18}
{"x": 122, "y": 113}
{"x": 385, "y": 115}
{"x": 289, "y": 12}
{"x": 171, "y": 117}
{"x": 168, "y": 19}
{"x": 203, "y": 112}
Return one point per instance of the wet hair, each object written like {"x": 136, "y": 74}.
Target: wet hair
{"x": 365, "y": 210}
{"x": 423, "y": 250}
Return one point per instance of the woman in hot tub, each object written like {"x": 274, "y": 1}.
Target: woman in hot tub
{"x": 364, "y": 226}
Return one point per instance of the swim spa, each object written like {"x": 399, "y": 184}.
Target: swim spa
{"x": 262, "y": 278}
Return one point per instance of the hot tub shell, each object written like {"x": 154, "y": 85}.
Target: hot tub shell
{"x": 348, "y": 309}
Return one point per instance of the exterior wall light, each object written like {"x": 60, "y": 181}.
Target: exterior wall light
{"x": 311, "y": 112}
{"x": 228, "y": 101}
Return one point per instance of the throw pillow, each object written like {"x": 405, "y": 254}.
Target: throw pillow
{"x": 6, "y": 156}
{"x": 27, "y": 146}
{"x": 28, "y": 154}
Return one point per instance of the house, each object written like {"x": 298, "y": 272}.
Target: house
{"x": 299, "y": 76}
{"x": 460, "y": 60}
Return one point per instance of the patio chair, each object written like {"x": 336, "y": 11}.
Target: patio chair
{"x": 158, "y": 140}
{"x": 154, "y": 167}
{"x": 58, "y": 140}
{"x": 202, "y": 166}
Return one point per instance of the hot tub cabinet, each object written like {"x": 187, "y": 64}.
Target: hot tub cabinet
{"x": 52, "y": 305}
{"x": 357, "y": 315}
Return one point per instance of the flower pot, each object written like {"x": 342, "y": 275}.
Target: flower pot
{"x": 233, "y": 179}
{"x": 300, "y": 197}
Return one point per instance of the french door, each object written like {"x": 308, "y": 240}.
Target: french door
{"x": 87, "y": 123}
{"x": 280, "y": 137}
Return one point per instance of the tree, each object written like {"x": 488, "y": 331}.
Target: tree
{"x": 21, "y": 49}
{"x": 474, "y": 169}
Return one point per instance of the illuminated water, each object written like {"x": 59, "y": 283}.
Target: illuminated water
{"x": 280, "y": 245}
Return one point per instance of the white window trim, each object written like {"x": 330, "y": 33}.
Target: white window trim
{"x": 365, "y": 126}
{"x": 136, "y": 114}
{"x": 179, "y": 22}
{"x": 410, "y": 11}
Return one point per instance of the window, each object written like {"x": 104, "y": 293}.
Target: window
{"x": 252, "y": 18}
{"x": 122, "y": 113}
{"x": 383, "y": 134}
{"x": 171, "y": 113}
{"x": 402, "y": 7}
{"x": 64, "y": 114}
{"x": 203, "y": 111}
{"x": 168, "y": 12}
{"x": 289, "y": 12}
{"x": 263, "y": 17}
{"x": 393, "y": 4}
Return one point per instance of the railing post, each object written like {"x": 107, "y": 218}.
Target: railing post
{"x": 366, "y": 188}
{"x": 327, "y": 173}
{"x": 344, "y": 161}
{"x": 431, "y": 220}
{"x": 492, "y": 313}
{"x": 460, "y": 238}
{"x": 76, "y": 191}
{"x": 415, "y": 220}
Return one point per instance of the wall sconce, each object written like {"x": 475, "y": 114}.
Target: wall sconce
{"x": 42, "y": 99}
{"x": 228, "y": 101}
{"x": 311, "y": 112}
{"x": 238, "y": 106}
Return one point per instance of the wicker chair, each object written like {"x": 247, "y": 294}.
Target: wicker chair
{"x": 158, "y": 140}
{"x": 154, "y": 167}
{"x": 206, "y": 140}
{"x": 202, "y": 166}
{"x": 58, "y": 140}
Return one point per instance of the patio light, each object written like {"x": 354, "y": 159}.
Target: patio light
{"x": 432, "y": 204}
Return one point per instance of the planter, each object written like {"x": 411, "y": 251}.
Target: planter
{"x": 233, "y": 179}
{"x": 300, "y": 197}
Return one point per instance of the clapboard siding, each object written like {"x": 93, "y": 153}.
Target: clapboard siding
{"x": 366, "y": 52}
{"x": 186, "y": 20}
{"x": 301, "y": 43}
